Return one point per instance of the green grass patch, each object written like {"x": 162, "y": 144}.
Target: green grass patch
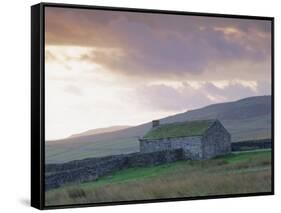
{"x": 246, "y": 156}
{"x": 244, "y": 172}
{"x": 136, "y": 174}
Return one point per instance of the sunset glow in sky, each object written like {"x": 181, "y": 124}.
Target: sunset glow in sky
{"x": 106, "y": 68}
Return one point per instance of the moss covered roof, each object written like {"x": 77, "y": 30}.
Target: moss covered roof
{"x": 179, "y": 129}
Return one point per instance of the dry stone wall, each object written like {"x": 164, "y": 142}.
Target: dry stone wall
{"x": 57, "y": 175}
{"x": 251, "y": 145}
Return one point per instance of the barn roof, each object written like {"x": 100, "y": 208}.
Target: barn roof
{"x": 179, "y": 129}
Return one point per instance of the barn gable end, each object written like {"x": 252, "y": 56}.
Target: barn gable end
{"x": 216, "y": 141}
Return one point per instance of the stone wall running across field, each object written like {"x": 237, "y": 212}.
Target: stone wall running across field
{"x": 251, "y": 145}
{"x": 93, "y": 168}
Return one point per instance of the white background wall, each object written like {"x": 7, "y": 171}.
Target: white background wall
{"x": 15, "y": 105}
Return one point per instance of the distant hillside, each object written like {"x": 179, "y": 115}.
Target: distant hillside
{"x": 99, "y": 131}
{"x": 245, "y": 119}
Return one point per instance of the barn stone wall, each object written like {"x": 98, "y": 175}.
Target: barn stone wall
{"x": 57, "y": 175}
{"x": 147, "y": 145}
{"x": 216, "y": 141}
{"x": 190, "y": 145}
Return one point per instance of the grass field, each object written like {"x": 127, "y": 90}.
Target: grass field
{"x": 245, "y": 172}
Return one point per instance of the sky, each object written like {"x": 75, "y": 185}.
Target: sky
{"x": 106, "y": 68}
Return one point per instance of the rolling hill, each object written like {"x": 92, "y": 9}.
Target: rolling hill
{"x": 99, "y": 131}
{"x": 245, "y": 119}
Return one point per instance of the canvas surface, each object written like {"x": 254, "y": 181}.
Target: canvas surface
{"x": 206, "y": 81}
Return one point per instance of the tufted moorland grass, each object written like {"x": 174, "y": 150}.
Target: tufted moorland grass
{"x": 236, "y": 173}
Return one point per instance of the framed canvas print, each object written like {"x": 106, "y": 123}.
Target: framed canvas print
{"x": 135, "y": 106}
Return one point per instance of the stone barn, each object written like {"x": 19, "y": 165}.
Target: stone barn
{"x": 199, "y": 139}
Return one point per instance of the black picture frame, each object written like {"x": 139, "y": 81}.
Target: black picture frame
{"x": 38, "y": 102}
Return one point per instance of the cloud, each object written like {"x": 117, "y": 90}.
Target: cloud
{"x": 162, "y": 97}
{"x": 264, "y": 87}
{"x": 233, "y": 91}
{"x": 128, "y": 68}
{"x": 160, "y": 46}
{"x": 169, "y": 98}
{"x": 49, "y": 56}
{"x": 73, "y": 90}
{"x": 145, "y": 53}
